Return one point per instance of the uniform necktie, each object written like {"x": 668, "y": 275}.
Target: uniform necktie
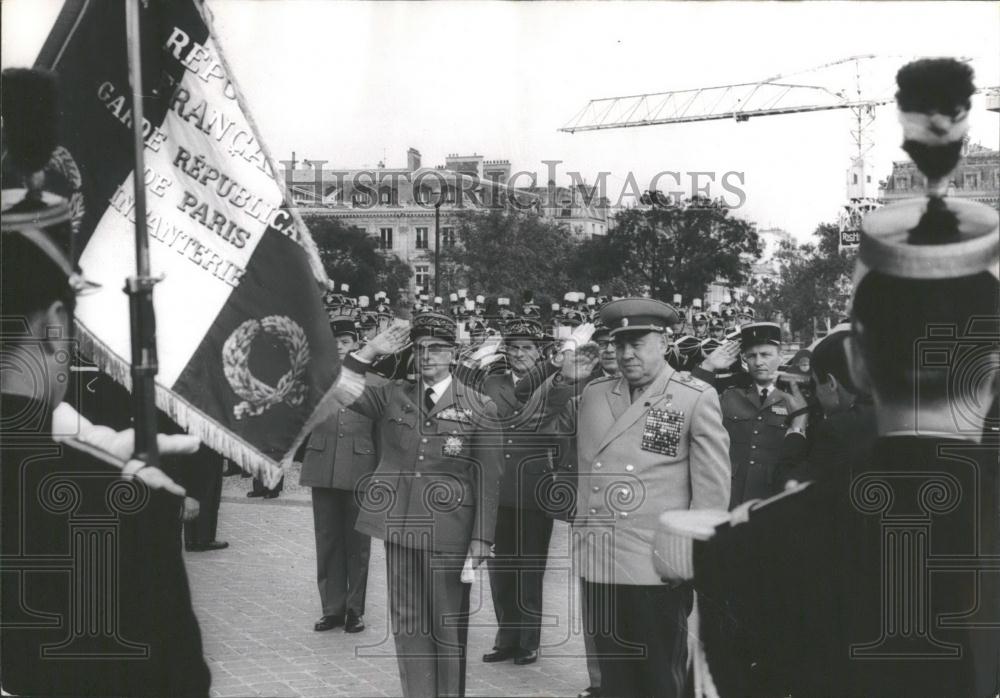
{"x": 763, "y": 395}
{"x": 429, "y": 398}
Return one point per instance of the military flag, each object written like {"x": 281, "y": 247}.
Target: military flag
{"x": 245, "y": 350}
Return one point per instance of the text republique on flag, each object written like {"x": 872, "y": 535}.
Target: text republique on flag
{"x": 245, "y": 350}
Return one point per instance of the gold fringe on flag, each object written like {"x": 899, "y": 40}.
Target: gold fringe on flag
{"x": 189, "y": 417}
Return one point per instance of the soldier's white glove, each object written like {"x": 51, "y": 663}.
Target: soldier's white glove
{"x": 487, "y": 351}
{"x": 580, "y": 335}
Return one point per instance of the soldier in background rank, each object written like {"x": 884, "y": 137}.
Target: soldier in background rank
{"x": 648, "y": 441}
{"x": 339, "y": 454}
{"x": 758, "y": 417}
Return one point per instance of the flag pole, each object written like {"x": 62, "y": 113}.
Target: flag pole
{"x": 140, "y": 287}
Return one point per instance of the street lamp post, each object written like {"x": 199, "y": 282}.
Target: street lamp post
{"x": 437, "y": 247}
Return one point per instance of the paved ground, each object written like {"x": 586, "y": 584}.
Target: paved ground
{"x": 257, "y": 602}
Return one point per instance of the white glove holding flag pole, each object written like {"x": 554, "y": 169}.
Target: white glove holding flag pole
{"x": 67, "y": 424}
{"x": 580, "y": 335}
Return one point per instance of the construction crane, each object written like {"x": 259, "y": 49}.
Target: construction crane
{"x": 859, "y": 84}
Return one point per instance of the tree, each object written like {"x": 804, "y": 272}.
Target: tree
{"x": 504, "y": 253}
{"x": 352, "y": 256}
{"x": 814, "y": 281}
{"x": 678, "y": 248}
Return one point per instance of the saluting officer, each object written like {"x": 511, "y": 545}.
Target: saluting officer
{"x": 648, "y": 441}
{"x": 339, "y": 454}
{"x": 432, "y": 498}
{"x": 757, "y": 417}
{"x": 523, "y": 529}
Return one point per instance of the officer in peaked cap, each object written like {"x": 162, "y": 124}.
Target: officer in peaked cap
{"x": 432, "y": 498}
{"x": 757, "y": 416}
{"x": 647, "y": 441}
{"x": 523, "y": 529}
{"x": 606, "y": 344}
{"x": 717, "y": 329}
{"x": 339, "y": 455}
{"x": 699, "y": 323}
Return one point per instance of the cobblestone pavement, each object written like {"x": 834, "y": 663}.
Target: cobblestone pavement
{"x": 257, "y": 602}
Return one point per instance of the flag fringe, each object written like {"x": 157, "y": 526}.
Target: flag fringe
{"x": 189, "y": 417}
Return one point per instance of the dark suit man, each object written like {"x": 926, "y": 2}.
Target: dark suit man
{"x": 432, "y": 498}
{"x": 339, "y": 454}
{"x": 523, "y": 529}
{"x": 757, "y": 418}
{"x": 649, "y": 441}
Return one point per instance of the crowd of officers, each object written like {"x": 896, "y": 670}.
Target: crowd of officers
{"x": 478, "y": 431}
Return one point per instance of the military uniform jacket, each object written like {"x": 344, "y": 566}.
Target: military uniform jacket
{"x": 756, "y": 436}
{"x": 341, "y": 451}
{"x": 528, "y": 450}
{"x": 637, "y": 459}
{"x": 438, "y": 476}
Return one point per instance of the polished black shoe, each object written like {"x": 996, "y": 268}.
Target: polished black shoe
{"x": 590, "y": 692}
{"x": 354, "y": 624}
{"x": 213, "y": 545}
{"x": 526, "y": 657}
{"x": 252, "y": 493}
{"x": 271, "y": 495}
{"x": 328, "y": 623}
{"x": 500, "y": 654}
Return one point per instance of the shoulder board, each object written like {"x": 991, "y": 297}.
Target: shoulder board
{"x": 690, "y": 381}
{"x": 597, "y": 382}
{"x": 92, "y": 451}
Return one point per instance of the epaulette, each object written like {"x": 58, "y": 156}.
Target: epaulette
{"x": 92, "y": 451}
{"x": 687, "y": 379}
{"x": 597, "y": 381}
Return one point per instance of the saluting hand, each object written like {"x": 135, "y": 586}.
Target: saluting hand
{"x": 389, "y": 341}
{"x": 723, "y": 356}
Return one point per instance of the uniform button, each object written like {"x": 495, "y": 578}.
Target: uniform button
{"x": 760, "y": 419}
{"x": 622, "y": 491}
{"x": 340, "y": 435}
{"x": 423, "y": 440}
{"x": 506, "y": 455}
{"x": 510, "y": 441}
{"x": 624, "y": 514}
{"x": 342, "y": 410}
{"x": 597, "y": 465}
{"x": 752, "y": 462}
{"x": 427, "y": 424}
{"x": 596, "y": 488}
{"x": 420, "y": 457}
{"x": 753, "y": 446}
{"x": 416, "y": 475}
{"x": 593, "y": 511}
{"x": 453, "y": 431}
{"x": 459, "y": 499}
{"x": 756, "y": 432}
{"x": 629, "y": 468}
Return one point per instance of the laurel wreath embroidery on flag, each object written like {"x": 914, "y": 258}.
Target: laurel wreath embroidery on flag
{"x": 258, "y": 395}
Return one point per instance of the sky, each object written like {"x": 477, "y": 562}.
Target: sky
{"x": 355, "y": 83}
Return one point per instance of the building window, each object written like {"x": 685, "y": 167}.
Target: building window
{"x": 902, "y": 183}
{"x": 422, "y": 273}
{"x": 855, "y": 178}
{"x": 971, "y": 180}
{"x": 387, "y": 197}
{"x": 421, "y": 242}
{"x": 360, "y": 199}
{"x": 385, "y": 238}
{"x": 447, "y": 236}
